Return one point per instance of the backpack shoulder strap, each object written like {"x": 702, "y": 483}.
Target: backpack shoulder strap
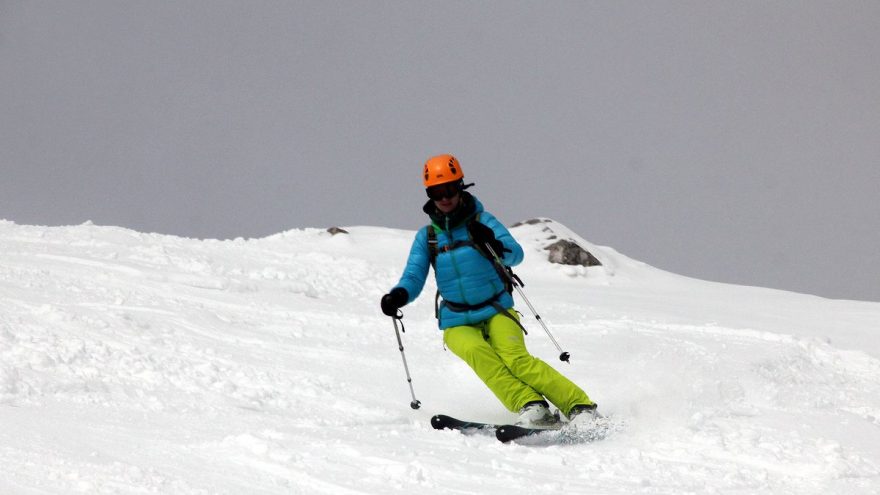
{"x": 433, "y": 250}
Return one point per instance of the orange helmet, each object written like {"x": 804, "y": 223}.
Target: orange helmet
{"x": 441, "y": 169}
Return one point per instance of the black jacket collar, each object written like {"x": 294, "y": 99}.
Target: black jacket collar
{"x": 466, "y": 209}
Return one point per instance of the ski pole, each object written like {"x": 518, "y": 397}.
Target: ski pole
{"x": 415, "y": 404}
{"x": 515, "y": 282}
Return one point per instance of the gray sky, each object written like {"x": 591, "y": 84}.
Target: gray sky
{"x": 730, "y": 141}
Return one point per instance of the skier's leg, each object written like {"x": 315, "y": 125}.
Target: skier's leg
{"x": 469, "y": 343}
{"x": 506, "y": 338}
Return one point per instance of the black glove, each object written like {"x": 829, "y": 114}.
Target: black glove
{"x": 394, "y": 300}
{"x": 482, "y": 235}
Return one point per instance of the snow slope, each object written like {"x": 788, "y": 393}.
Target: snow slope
{"x": 141, "y": 363}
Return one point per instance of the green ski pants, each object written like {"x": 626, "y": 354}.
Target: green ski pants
{"x": 496, "y": 350}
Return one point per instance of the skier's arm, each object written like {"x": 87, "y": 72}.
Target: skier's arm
{"x": 512, "y": 253}
{"x": 416, "y": 271}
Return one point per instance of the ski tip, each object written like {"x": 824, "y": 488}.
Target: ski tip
{"x": 444, "y": 422}
{"x": 503, "y": 434}
{"x": 508, "y": 433}
{"x": 437, "y": 422}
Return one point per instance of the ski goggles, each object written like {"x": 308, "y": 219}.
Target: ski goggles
{"x": 442, "y": 191}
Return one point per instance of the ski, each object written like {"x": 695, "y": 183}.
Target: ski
{"x": 444, "y": 422}
{"x": 561, "y": 433}
{"x": 507, "y": 433}
{"x": 504, "y": 433}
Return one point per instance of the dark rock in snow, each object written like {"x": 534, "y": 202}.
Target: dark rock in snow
{"x": 563, "y": 251}
{"x": 566, "y": 252}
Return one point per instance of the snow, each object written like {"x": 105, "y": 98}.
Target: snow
{"x": 143, "y": 363}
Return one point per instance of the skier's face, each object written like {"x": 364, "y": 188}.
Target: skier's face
{"x": 448, "y": 205}
{"x": 445, "y": 196}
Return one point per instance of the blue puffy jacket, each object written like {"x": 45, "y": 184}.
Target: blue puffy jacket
{"x": 463, "y": 275}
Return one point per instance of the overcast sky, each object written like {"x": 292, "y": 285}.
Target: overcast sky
{"x": 730, "y": 141}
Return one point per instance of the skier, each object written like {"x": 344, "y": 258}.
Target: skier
{"x": 476, "y": 314}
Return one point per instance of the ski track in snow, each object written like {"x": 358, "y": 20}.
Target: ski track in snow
{"x": 134, "y": 363}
